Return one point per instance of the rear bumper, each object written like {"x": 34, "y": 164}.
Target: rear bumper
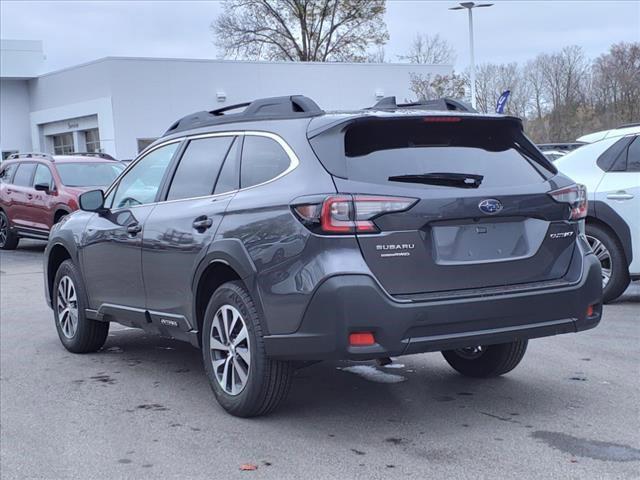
{"x": 344, "y": 304}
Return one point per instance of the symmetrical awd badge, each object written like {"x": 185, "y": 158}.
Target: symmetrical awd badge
{"x": 490, "y": 206}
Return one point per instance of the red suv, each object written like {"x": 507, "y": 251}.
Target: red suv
{"x": 37, "y": 190}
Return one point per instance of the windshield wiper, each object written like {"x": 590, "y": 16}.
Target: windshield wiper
{"x": 457, "y": 180}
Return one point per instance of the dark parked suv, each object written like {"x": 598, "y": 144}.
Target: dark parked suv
{"x": 284, "y": 234}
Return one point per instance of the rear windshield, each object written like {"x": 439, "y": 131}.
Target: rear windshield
{"x": 376, "y": 149}
{"x": 89, "y": 174}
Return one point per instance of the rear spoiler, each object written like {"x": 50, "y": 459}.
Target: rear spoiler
{"x": 327, "y": 139}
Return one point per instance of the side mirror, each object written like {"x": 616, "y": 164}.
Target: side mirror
{"x": 42, "y": 187}
{"x": 92, "y": 201}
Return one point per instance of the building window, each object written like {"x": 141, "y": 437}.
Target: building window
{"x": 92, "y": 140}
{"x": 63, "y": 143}
{"x": 144, "y": 143}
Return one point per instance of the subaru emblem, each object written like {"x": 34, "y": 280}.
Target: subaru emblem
{"x": 490, "y": 206}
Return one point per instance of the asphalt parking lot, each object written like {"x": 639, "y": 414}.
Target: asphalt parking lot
{"x": 142, "y": 408}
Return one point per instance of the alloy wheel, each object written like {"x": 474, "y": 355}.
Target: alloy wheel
{"x": 4, "y": 230}
{"x": 604, "y": 256}
{"x": 67, "y": 307}
{"x": 470, "y": 353}
{"x": 230, "y": 349}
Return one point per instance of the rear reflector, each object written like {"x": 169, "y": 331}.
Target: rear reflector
{"x": 590, "y": 311}
{"x": 361, "y": 339}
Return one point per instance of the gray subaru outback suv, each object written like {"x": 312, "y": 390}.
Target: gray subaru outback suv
{"x": 282, "y": 234}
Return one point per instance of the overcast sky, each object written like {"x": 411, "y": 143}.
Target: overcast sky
{"x": 79, "y": 31}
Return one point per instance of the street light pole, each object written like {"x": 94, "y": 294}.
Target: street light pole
{"x": 469, "y": 6}
{"x": 473, "y": 60}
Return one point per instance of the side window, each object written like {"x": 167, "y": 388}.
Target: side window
{"x": 613, "y": 158}
{"x": 633, "y": 156}
{"x": 140, "y": 185}
{"x": 199, "y": 168}
{"x": 262, "y": 159}
{"x": 23, "y": 175}
{"x": 43, "y": 175}
{"x": 228, "y": 178}
{"x": 7, "y": 173}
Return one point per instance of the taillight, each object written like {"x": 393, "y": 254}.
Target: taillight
{"x": 347, "y": 214}
{"x": 576, "y": 197}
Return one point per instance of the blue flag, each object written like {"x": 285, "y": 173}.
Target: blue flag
{"x": 502, "y": 101}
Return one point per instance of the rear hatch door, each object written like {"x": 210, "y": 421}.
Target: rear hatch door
{"x": 483, "y": 216}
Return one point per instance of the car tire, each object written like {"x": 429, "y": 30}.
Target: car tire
{"x": 77, "y": 333}
{"x": 486, "y": 361}
{"x": 59, "y": 217}
{"x": 244, "y": 380}
{"x": 8, "y": 237}
{"x": 612, "y": 260}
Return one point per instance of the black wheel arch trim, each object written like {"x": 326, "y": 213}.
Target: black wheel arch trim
{"x": 607, "y": 215}
{"x": 71, "y": 248}
{"x": 230, "y": 252}
{"x": 61, "y": 208}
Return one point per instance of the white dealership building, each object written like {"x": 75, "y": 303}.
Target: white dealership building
{"x": 118, "y": 105}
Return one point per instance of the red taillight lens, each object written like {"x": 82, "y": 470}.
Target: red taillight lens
{"x": 441, "y": 119}
{"x": 576, "y": 197}
{"x": 346, "y": 214}
{"x": 361, "y": 339}
{"x": 336, "y": 215}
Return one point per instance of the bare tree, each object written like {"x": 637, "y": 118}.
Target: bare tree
{"x": 430, "y": 49}
{"x": 302, "y": 30}
{"x": 378, "y": 55}
{"x": 429, "y": 87}
{"x": 565, "y": 75}
{"x": 493, "y": 79}
{"x": 616, "y": 83}
{"x": 534, "y": 77}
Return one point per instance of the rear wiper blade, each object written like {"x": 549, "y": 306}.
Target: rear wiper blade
{"x": 457, "y": 180}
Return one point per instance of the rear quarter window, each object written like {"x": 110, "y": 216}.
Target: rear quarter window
{"x": 263, "y": 159}
{"x": 6, "y": 173}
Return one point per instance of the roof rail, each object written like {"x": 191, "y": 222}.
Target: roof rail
{"x": 560, "y": 146}
{"x": 106, "y": 156}
{"x": 274, "y": 108}
{"x": 44, "y": 156}
{"x": 442, "y": 104}
{"x": 629, "y": 125}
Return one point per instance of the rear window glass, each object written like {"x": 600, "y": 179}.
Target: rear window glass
{"x": 377, "y": 150}
{"x": 93, "y": 174}
{"x": 633, "y": 156}
{"x": 199, "y": 168}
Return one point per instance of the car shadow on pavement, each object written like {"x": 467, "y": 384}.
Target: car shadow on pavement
{"x": 429, "y": 394}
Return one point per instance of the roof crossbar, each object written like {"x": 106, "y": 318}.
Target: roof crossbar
{"x": 276, "y": 108}
{"x": 441, "y": 104}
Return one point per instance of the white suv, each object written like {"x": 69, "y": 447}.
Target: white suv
{"x": 610, "y": 169}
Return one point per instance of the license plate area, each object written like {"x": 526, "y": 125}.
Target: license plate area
{"x": 487, "y": 241}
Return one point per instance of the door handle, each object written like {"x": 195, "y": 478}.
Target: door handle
{"x": 134, "y": 229}
{"x": 202, "y": 223}
{"x": 620, "y": 195}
